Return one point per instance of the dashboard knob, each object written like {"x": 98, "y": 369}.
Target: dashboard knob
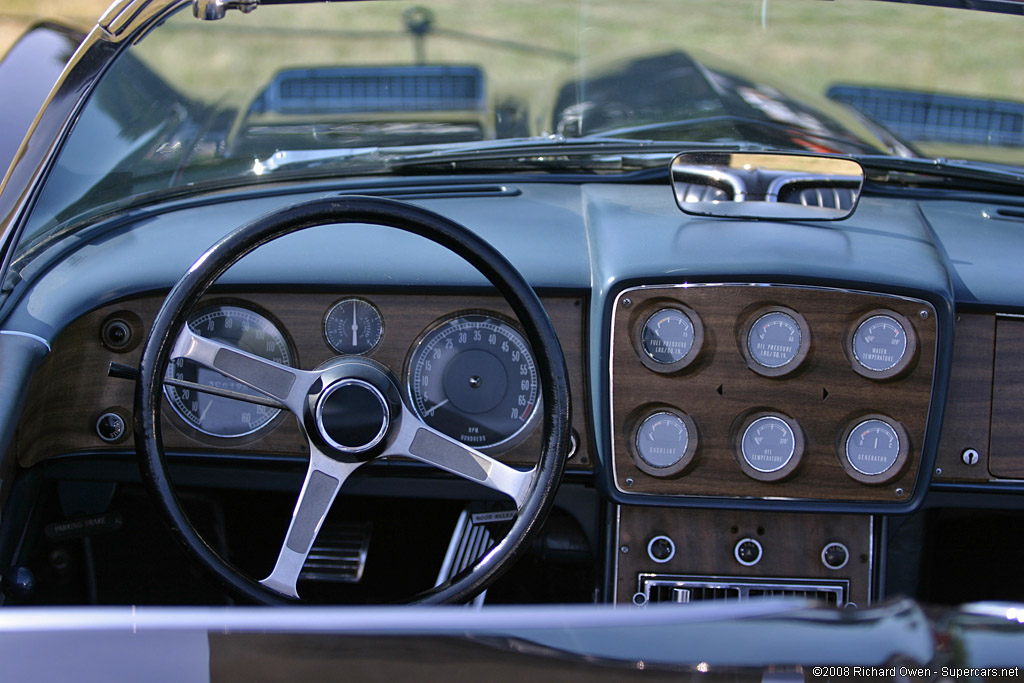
{"x": 835, "y": 555}
{"x": 661, "y": 549}
{"x": 748, "y": 552}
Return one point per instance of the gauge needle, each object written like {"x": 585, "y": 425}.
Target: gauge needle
{"x": 202, "y": 415}
{"x": 434, "y": 407}
{"x": 355, "y": 324}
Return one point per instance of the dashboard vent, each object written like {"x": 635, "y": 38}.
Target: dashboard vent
{"x": 658, "y": 588}
{"x": 923, "y": 116}
{"x": 338, "y": 554}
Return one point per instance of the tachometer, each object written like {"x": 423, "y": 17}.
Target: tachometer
{"x": 215, "y": 415}
{"x": 472, "y": 377}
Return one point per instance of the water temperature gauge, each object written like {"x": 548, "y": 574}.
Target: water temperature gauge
{"x": 882, "y": 345}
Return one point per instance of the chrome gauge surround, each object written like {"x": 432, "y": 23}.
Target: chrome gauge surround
{"x": 775, "y": 340}
{"x": 680, "y": 349}
{"x": 472, "y": 376}
{"x": 353, "y": 326}
{"x": 756, "y": 439}
{"x": 215, "y": 416}
{"x": 657, "y": 455}
{"x": 874, "y": 448}
{"x": 890, "y": 358}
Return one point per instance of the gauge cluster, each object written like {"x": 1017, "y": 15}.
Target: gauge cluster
{"x": 464, "y": 364}
{"x": 769, "y": 391}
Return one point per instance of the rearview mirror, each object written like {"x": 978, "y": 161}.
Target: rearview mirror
{"x": 766, "y": 185}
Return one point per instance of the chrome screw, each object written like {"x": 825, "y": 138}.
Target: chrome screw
{"x": 627, "y": 302}
{"x": 924, "y": 315}
{"x": 624, "y": 550}
{"x": 899, "y": 492}
{"x": 629, "y": 482}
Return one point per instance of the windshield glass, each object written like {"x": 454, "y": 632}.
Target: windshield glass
{"x": 369, "y": 87}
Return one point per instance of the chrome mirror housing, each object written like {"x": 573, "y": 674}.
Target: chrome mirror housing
{"x": 766, "y": 185}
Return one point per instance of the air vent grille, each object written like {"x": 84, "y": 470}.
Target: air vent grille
{"x": 919, "y": 116}
{"x": 376, "y": 89}
{"x": 339, "y": 553}
{"x": 657, "y": 588}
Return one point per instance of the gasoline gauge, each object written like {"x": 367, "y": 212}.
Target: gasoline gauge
{"x": 664, "y": 443}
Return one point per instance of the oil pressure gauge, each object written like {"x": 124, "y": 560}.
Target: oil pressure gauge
{"x": 775, "y": 341}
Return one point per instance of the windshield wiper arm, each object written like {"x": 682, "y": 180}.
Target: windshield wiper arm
{"x": 941, "y": 172}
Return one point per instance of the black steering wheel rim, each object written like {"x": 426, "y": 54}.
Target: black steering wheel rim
{"x": 486, "y": 259}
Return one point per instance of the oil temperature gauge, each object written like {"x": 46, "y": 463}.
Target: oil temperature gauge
{"x": 664, "y": 443}
{"x": 769, "y": 446}
{"x": 874, "y": 449}
{"x": 353, "y": 327}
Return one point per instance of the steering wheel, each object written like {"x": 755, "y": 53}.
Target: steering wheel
{"x": 351, "y": 409}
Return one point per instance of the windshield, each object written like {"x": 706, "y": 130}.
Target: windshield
{"x": 342, "y": 89}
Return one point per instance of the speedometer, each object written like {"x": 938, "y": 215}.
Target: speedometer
{"x": 472, "y": 377}
{"x": 215, "y": 415}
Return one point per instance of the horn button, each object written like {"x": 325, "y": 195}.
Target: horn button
{"x": 352, "y": 416}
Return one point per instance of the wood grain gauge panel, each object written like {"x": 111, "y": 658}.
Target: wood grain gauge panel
{"x": 71, "y": 390}
{"x": 718, "y": 391}
{"x": 1006, "y": 448}
{"x": 705, "y": 541}
{"x": 968, "y": 401}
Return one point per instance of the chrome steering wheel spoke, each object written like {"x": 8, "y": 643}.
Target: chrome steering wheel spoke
{"x": 287, "y": 385}
{"x": 324, "y": 478}
{"x": 420, "y": 442}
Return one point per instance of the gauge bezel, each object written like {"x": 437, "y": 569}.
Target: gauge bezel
{"x": 645, "y": 314}
{"x": 527, "y": 428}
{"x": 902, "y": 453}
{"x": 185, "y": 426}
{"x": 745, "y": 423}
{"x": 348, "y": 300}
{"x": 803, "y": 350}
{"x": 684, "y": 462}
{"x": 903, "y": 366}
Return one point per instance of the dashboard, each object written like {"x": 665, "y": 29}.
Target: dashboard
{"x": 758, "y": 409}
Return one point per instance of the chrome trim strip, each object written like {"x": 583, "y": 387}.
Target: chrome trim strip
{"x": 616, "y": 305}
{"x": 27, "y": 335}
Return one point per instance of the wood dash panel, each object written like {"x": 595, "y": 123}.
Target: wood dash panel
{"x": 1006, "y": 453}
